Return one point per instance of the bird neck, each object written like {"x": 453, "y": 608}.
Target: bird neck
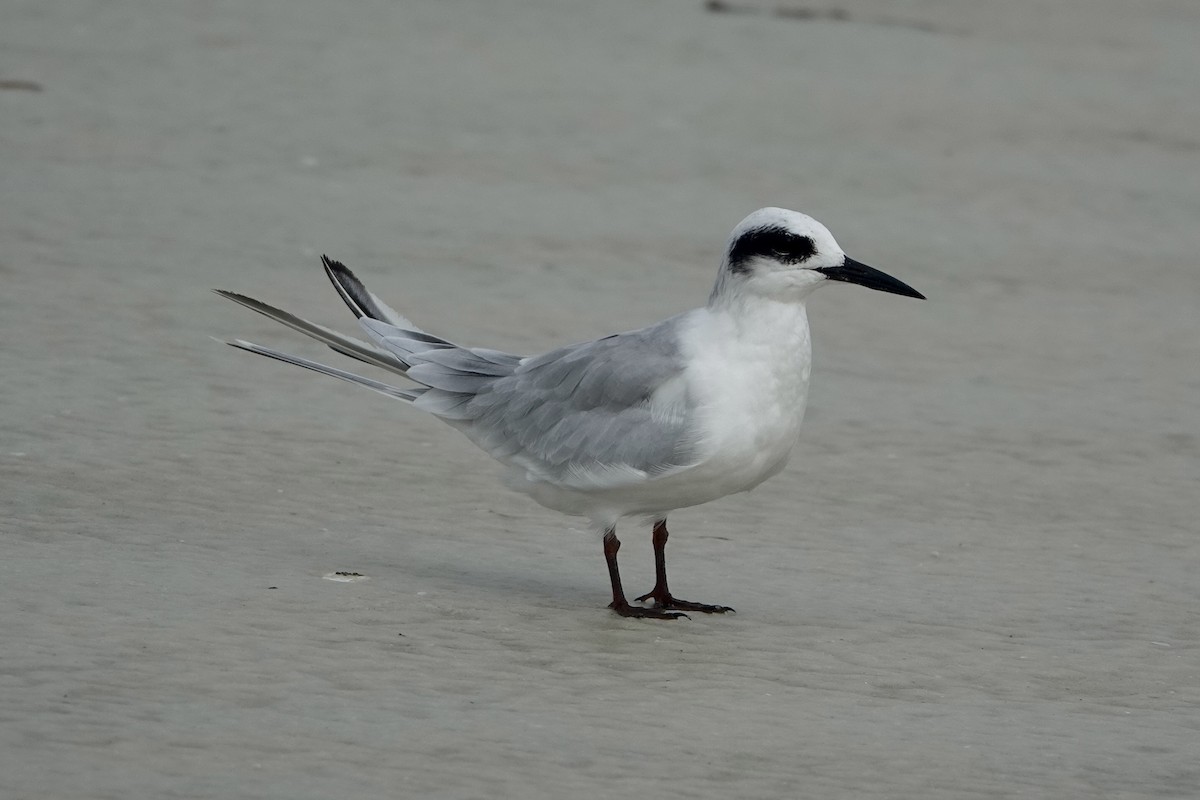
{"x": 785, "y": 287}
{"x": 759, "y": 321}
{"x": 753, "y": 309}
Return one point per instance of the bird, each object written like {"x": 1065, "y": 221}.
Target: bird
{"x": 634, "y": 425}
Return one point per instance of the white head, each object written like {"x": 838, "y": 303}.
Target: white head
{"x": 785, "y": 255}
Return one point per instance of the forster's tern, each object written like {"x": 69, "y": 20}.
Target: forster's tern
{"x": 637, "y": 424}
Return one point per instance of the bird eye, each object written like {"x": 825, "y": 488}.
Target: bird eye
{"x": 775, "y": 243}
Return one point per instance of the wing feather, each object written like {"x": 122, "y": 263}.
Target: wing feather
{"x": 598, "y": 413}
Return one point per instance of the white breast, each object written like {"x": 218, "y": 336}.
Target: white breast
{"x": 749, "y": 375}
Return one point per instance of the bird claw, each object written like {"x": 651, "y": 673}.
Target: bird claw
{"x": 654, "y": 612}
{"x": 667, "y": 601}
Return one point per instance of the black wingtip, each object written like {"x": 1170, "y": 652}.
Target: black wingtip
{"x": 234, "y": 296}
{"x": 337, "y": 273}
{"x": 338, "y": 268}
{"x": 352, "y": 290}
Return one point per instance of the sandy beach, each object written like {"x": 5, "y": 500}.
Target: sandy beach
{"x": 977, "y": 578}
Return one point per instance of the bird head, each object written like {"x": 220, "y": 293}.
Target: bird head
{"x": 785, "y": 255}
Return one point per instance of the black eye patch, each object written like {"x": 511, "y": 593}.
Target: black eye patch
{"x": 772, "y": 242}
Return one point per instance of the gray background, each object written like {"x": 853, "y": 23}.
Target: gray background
{"x": 978, "y": 577}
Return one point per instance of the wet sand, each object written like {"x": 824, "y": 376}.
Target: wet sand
{"x": 977, "y": 578}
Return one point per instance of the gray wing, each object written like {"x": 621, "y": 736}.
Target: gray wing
{"x": 591, "y": 415}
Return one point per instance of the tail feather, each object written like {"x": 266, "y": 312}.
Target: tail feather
{"x": 343, "y": 344}
{"x": 385, "y": 389}
{"x": 451, "y": 375}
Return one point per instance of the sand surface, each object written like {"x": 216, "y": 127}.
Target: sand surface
{"x": 978, "y": 578}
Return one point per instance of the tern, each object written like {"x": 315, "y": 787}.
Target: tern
{"x": 632, "y": 425}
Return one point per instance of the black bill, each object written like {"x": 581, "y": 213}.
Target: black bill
{"x": 855, "y": 272}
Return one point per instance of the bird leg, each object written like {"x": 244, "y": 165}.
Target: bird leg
{"x": 660, "y": 594}
{"x": 619, "y": 604}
